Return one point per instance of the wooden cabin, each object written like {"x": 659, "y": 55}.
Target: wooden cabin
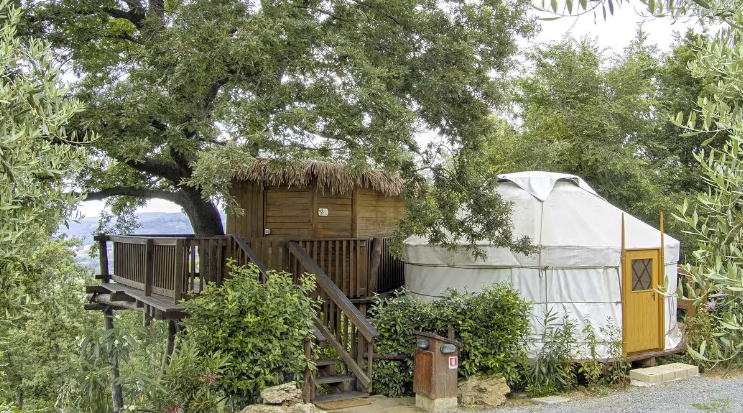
{"x": 311, "y": 217}
{"x": 343, "y": 219}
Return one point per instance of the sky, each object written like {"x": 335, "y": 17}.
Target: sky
{"x": 615, "y": 33}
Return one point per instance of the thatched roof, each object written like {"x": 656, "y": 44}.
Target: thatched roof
{"x": 333, "y": 177}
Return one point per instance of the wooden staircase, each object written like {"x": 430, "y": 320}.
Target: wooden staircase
{"x": 333, "y": 379}
{"x": 342, "y": 327}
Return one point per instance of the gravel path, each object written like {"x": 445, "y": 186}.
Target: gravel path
{"x": 692, "y": 395}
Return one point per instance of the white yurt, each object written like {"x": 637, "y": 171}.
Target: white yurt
{"x": 579, "y": 267}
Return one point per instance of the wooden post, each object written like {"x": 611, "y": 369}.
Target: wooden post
{"x": 116, "y": 391}
{"x": 149, "y": 267}
{"x": 369, "y": 362}
{"x": 172, "y": 331}
{"x": 180, "y": 250}
{"x": 103, "y": 257}
{"x": 360, "y": 347}
{"x": 374, "y": 263}
{"x": 308, "y": 387}
{"x": 362, "y": 263}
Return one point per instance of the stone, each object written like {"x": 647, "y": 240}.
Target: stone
{"x": 273, "y": 408}
{"x": 284, "y": 394}
{"x": 485, "y": 393}
{"x": 550, "y": 400}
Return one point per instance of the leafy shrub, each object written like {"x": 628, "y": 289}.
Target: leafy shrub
{"x": 618, "y": 368}
{"x": 553, "y": 368}
{"x": 491, "y": 325}
{"x": 261, "y": 327}
{"x": 590, "y": 368}
{"x": 189, "y": 382}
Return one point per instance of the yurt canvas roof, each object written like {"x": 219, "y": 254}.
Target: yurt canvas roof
{"x": 561, "y": 213}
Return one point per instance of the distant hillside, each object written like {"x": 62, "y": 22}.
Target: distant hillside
{"x": 150, "y": 223}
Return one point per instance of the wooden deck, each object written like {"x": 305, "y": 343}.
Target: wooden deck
{"x": 160, "y": 302}
{"x": 154, "y": 274}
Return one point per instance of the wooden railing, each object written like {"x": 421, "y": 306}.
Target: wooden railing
{"x": 345, "y": 261}
{"x": 173, "y": 266}
{"x": 346, "y": 329}
{"x": 349, "y": 262}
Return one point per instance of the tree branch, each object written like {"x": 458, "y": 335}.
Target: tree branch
{"x": 175, "y": 197}
{"x": 134, "y": 15}
{"x": 165, "y": 169}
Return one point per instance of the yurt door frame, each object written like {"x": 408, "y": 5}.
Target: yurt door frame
{"x": 643, "y": 318}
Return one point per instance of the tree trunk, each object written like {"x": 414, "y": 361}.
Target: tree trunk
{"x": 116, "y": 392}
{"x": 204, "y": 215}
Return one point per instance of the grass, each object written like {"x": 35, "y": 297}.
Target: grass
{"x": 719, "y": 405}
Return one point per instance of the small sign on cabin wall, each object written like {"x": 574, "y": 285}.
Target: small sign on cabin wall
{"x": 323, "y": 212}
{"x": 453, "y": 362}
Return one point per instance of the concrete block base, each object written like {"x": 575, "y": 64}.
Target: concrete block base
{"x": 660, "y": 374}
{"x": 550, "y": 400}
{"x": 435, "y": 405}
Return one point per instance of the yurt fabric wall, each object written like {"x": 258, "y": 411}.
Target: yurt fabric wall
{"x": 578, "y": 268}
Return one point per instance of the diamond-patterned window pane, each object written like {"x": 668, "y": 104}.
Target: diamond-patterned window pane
{"x": 642, "y": 274}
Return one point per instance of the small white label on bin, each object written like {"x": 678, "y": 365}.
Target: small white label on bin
{"x": 453, "y": 363}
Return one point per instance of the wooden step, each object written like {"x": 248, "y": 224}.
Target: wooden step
{"x": 336, "y": 378}
{"x": 334, "y": 397}
{"x": 327, "y": 362}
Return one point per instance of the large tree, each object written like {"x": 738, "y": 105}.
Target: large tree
{"x": 593, "y": 113}
{"x": 179, "y": 91}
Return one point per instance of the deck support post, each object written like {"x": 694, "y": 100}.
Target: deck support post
{"x": 172, "y": 331}
{"x": 103, "y": 257}
{"x": 116, "y": 391}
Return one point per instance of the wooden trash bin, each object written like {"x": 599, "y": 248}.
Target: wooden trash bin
{"x": 435, "y": 372}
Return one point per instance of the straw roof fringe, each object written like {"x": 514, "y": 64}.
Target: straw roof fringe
{"x": 334, "y": 177}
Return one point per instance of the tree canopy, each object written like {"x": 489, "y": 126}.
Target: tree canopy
{"x": 178, "y": 91}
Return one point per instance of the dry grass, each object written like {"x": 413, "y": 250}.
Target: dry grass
{"x": 332, "y": 177}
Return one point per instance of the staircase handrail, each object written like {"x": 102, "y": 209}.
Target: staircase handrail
{"x": 333, "y": 292}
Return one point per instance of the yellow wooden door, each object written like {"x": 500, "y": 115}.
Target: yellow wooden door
{"x": 642, "y": 307}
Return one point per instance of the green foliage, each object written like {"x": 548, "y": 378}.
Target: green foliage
{"x": 603, "y": 117}
{"x": 716, "y": 281}
{"x": 553, "y": 370}
{"x": 190, "y": 381}
{"x": 40, "y": 352}
{"x": 259, "y": 327}
{"x": 591, "y": 367}
{"x": 181, "y": 95}
{"x": 618, "y": 368}
{"x": 491, "y": 325}
{"x": 34, "y": 198}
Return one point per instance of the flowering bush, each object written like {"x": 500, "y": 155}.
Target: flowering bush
{"x": 188, "y": 382}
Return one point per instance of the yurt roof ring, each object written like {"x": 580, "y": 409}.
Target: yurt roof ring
{"x": 539, "y": 184}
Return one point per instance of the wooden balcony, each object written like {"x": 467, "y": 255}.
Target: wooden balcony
{"x": 153, "y": 274}
{"x": 159, "y": 271}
